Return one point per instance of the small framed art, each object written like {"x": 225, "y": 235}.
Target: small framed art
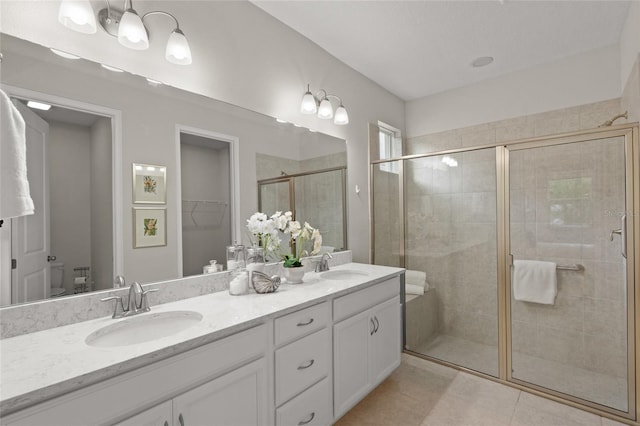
{"x": 149, "y": 227}
{"x": 149, "y": 184}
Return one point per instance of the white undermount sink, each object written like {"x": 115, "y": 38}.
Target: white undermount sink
{"x": 344, "y": 274}
{"x": 143, "y": 328}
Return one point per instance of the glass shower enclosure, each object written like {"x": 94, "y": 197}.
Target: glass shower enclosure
{"x": 462, "y": 218}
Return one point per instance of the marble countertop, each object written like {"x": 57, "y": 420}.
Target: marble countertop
{"x": 39, "y": 366}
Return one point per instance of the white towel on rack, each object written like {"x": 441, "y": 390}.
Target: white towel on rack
{"x": 535, "y": 281}
{"x": 15, "y": 198}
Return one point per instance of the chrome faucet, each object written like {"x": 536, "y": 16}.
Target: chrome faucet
{"x": 323, "y": 264}
{"x": 133, "y": 307}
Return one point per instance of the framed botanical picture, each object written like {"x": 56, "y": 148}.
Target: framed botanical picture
{"x": 149, "y": 184}
{"x": 149, "y": 227}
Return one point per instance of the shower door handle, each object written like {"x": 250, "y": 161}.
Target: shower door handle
{"x": 623, "y": 234}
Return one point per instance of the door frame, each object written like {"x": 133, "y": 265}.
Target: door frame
{"x": 116, "y": 168}
{"x": 234, "y": 182}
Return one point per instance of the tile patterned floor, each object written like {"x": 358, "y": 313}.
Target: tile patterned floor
{"x": 600, "y": 388}
{"x": 422, "y": 393}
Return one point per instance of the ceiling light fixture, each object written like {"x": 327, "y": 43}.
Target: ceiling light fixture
{"x": 321, "y": 105}
{"x": 38, "y": 105}
{"x": 128, "y": 27}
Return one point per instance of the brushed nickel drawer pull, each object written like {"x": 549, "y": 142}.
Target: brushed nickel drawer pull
{"x": 166, "y": 423}
{"x": 304, "y": 422}
{"x": 307, "y": 365}
{"x": 302, "y": 324}
{"x": 181, "y": 419}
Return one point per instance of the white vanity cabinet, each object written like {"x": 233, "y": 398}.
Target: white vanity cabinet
{"x": 366, "y": 342}
{"x": 160, "y": 415}
{"x": 303, "y": 367}
{"x": 225, "y": 380}
{"x": 237, "y": 398}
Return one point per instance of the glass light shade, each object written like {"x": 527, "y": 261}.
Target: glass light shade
{"x": 178, "y": 51}
{"x": 131, "y": 31}
{"x": 325, "y": 110}
{"x": 78, "y": 16}
{"x": 308, "y": 105}
{"x": 341, "y": 116}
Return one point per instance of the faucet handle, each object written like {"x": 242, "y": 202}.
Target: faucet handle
{"x": 144, "y": 302}
{"x": 118, "y": 300}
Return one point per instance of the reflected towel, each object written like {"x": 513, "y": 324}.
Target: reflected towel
{"x": 413, "y": 289}
{"x": 15, "y": 199}
{"x": 418, "y": 278}
{"x": 534, "y": 281}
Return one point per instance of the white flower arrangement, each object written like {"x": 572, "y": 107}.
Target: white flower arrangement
{"x": 267, "y": 231}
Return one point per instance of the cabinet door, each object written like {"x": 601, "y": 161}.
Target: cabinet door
{"x": 235, "y": 399}
{"x": 160, "y": 415}
{"x": 351, "y": 363}
{"x": 386, "y": 340}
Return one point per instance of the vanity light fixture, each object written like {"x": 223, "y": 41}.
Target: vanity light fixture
{"x": 127, "y": 26}
{"x": 38, "y": 105}
{"x": 321, "y": 105}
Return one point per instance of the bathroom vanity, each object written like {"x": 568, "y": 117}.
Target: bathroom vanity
{"x": 301, "y": 356}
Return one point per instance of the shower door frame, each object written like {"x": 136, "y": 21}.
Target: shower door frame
{"x": 290, "y": 178}
{"x": 632, "y": 193}
{"x": 632, "y": 175}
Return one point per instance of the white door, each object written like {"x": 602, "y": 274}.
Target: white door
{"x": 385, "y": 341}
{"x": 351, "y": 361}
{"x": 30, "y": 241}
{"x": 160, "y": 415}
{"x": 235, "y": 399}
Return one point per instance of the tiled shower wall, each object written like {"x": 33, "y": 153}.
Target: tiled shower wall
{"x": 459, "y": 226}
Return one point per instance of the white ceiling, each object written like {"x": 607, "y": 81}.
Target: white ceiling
{"x": 418, "y": 48}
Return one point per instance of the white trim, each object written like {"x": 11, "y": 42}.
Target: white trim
{"x": 234, "y": 178}
{"x": 116, "y": 129}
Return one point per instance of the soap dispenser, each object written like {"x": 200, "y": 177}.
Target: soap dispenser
{"x": 212, "y": 267}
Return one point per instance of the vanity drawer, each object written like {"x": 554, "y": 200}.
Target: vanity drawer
{"x": 301, "y": 364}
{"x": 311, "y": 408}
{"x": 300, "y": 323}
{"x": 354, "y": 303}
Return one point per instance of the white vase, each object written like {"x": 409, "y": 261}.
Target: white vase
{"x": 294, "y": 275}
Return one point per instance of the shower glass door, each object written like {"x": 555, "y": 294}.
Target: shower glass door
{"x": 450, "y": 236}
{"x": 567, "y": 205}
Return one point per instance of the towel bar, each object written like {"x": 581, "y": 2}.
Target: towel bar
{"x": 577, "y": 267}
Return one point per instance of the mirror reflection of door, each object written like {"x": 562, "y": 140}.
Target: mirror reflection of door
{"x": 66, "y": 247}
{"x": 206, "y": 199}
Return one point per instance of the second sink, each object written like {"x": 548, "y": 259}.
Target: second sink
{"x": 143, "y": 328}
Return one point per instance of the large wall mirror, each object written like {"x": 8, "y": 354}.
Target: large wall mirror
{"x": 214, "y": 154}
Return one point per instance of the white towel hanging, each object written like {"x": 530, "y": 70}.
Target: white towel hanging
{"x": 15, "y": 198}
{"x": 535, "y": 281}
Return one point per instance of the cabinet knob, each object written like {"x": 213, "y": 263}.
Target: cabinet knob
{"x": 302, "y": 324}
{"x": 304, "y": 422}
{"x": 181, "y": 419}
{"x": 307, "y": 365}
